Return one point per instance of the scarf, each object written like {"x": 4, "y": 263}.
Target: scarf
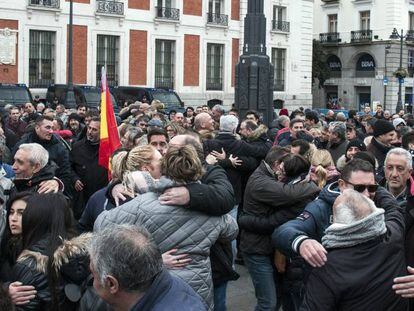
{"x": 346, "y": 235}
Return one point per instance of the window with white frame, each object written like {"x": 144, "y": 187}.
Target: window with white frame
{"x": 165, "y": 3}
{"x": 279, "y": 18}
{"x": 41, "y": 58}
{"x": 333, "y": 23}
{"x": 216, "y": 6}
{"x": 365, "y": 20}
{"x": 164, "y": 63}
{"x": 279, "y": 63}
{"x": 108, "y": 57}
{"x": 410, "y": 62}
{"x": 214, "y": 81}
{"x": 411, "y": 21}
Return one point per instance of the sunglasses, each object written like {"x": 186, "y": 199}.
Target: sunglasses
{"x": 361, "y": 188}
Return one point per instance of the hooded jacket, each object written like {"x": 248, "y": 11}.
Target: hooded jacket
{"x": 171, "y": 227}
{"x": 70, "y": 261}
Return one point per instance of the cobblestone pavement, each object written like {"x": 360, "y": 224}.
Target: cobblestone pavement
{"x": 240, "y": 294}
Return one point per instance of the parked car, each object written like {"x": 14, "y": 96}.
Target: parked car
{"x": 84, "y": 94}
{"x": 14, "y": 94}
{"x": 168, "y": 97}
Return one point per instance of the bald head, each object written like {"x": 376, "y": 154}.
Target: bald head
{"x": 203, "y": 121}
{"x": 352, "y": 206}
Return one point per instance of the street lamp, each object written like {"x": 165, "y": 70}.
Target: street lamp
{"x": 70, "y": 95}
{"x": 408, "y": 37}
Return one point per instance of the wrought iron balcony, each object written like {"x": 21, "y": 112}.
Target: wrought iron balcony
{"x": 164, "y": 82}
{"x": 361, "y": 36}
{"x": 168, "y": 13}
{"x": 214, "y": 85}
{"x": 53, "y": 4}
{"x": 109, "y": 7}
{"x": 329, "y": 37}
{"x": 280, "y": 26}
{"x": 217, "y": 19}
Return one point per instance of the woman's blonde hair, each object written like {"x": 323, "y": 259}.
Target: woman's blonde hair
{"x": 176, "y": 128}
{"x": 182, "y": 164}
{"x": 321, "y": 161}
{"x": 129, "y": 161}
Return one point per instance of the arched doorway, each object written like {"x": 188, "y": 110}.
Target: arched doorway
{"x": 365, "y": 66}
{"x": 212, "y": 102}
{"x": 278, "y": 104}
{"x": 335, "y": 66}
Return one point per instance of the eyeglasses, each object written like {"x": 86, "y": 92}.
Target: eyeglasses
{"x": 361, "y": 188}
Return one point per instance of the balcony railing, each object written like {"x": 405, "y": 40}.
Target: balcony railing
{"x": 164, "y": 82}
{"x": 280, "y": 26}
{"x": 109, "y": 7}
{"x": 217, "y": 19}
{"x": 53, "y": 4}
{"x": 168, "y": 13}
{"x": 361, "y": 36}
{"x": 214, "y": 86}
{"x": 329, "y": 37}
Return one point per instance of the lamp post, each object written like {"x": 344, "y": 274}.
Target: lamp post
{"x": 70, "y": 95}
{"x": 394, "y": 36}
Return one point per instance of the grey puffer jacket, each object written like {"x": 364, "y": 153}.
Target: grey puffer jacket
{"x": 172, "y": 227}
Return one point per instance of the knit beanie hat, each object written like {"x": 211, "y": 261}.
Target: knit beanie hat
{"x": 356, "y": 143}
{"x": 283, "y": 112}
{"x": 382, "y": 127}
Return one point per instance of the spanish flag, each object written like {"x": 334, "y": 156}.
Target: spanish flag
{"x": 109, "y": 136}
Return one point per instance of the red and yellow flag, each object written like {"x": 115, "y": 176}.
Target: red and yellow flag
{"x": 109, "y": 140}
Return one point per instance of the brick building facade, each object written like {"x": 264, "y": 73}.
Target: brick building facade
{"x": 191, "y": 46}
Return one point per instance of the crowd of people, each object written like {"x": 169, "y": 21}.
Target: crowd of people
{"x": 319, "y": 208}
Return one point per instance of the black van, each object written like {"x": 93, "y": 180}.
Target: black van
{"x": 84, "y": 94}
{"x": 169, "y": 98}
{"x": 14, "y": 94}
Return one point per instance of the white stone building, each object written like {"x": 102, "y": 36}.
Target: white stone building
{"x": 355, "y": 35}
{"x": 191, "y": 46}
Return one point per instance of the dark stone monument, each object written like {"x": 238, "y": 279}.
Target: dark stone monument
{"x": 254, "y": 72}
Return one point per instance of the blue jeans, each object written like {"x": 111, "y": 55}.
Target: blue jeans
{"x": 263, "y": 277}
{"x": 220, "y": 297}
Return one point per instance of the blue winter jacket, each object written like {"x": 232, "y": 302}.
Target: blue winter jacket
{"x": 169, "y": 293}
{"x": 316, "y": 217}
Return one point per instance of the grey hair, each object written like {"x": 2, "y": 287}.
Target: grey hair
{"x": 338, "y": 128}
{"x": 400, "y": 152}
{"x": 37, "y": 153}
{"x": 128, "y": 254}
{"x": 340, "y": 116}
{"x": 219, "y": 108}
{"x": 228, "y": 123}
{"x": 283, "y": 119}
{"x": 200, "y": 118}
{"x": 356, "y": 207}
